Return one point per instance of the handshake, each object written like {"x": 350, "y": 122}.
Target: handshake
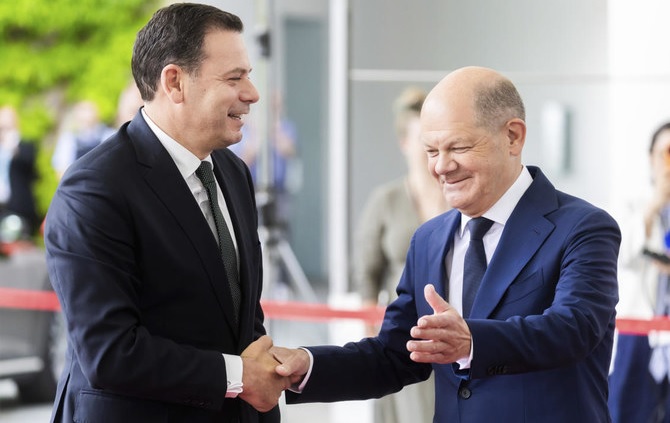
{"x": 442, "y": 338}
{"x": 269, "y": 370}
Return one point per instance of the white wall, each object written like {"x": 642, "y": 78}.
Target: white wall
{"x": 554, "y": 52}
{"x": 639, "y": 90}
{"x": 604, "y": 61}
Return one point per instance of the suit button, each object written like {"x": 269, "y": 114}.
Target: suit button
{"x": 465, "y": 393}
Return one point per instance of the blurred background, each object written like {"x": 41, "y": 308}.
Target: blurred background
{"x": 594, "y": 75}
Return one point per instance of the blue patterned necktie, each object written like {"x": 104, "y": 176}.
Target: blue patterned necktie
{"x": 226, "y": 246}
{"x": 475, "y": 262}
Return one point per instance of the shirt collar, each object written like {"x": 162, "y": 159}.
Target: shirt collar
{"x": 503, "y": 208}
{"x": 186, "y": 162}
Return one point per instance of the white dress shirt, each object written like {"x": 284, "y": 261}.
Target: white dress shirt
{"x": 499, "y": 213}
{"x": 454, "y": 261}
{"x": 187, "y": 163}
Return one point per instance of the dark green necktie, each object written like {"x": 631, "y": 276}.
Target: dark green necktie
{"x": 226, "y": 246}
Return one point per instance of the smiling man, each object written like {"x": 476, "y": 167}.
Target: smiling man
{"x": 152, "y": 244}
{"x": 529, "y": 273}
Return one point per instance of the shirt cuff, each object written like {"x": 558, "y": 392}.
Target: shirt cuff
{"x": 234, "y": 374}
{"x": 464, "y": 363}
{"x": 298, "y": 388}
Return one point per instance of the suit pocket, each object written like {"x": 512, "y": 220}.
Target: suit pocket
{"x": 527, "y": 296}
{"x": 99, "y": 407}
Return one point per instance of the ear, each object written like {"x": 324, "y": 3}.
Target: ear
{"x": 516, "y": 134}
{"x": 172, "y": 82}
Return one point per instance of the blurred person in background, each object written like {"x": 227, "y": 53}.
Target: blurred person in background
{"x": 641, "y": 363}
{"x": 18, "y": 172}
{"x": 82, "y": 131}
{"x": 282, "y": 153}
{"x": 277, "y": 174}
{"x": 152, "y": 244}
{"x": 130, "y": 101}
{"x": 392, "y": 213}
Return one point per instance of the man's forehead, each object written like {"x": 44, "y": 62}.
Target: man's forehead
{"x": 445, "y": 126}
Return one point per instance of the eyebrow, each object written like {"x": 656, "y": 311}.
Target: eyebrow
{"x": 238, "y": 71}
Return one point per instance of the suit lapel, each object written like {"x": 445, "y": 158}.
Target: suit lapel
{"x": 163, "y": 177}
{"x": 439, "y": 244}
{"x": 524, "y": 233}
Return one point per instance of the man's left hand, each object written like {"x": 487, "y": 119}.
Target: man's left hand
{"x": 442, "y": 337}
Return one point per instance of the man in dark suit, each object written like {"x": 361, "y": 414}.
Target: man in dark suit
{"x": 537, "y": 343}
{"x": 17, "y": 172}
{"x": 159, "y": 278}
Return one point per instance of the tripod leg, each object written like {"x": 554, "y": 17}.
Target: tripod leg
{"x": 270, "y": 263}
{"x": 297, "y": 276}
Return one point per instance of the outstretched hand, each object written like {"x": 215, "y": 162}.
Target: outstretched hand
{"x": 294, "y": 363}
{"x": 442, "y": 337}
{"x": 262, "y": 385}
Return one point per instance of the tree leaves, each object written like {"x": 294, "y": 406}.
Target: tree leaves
{"x": 56, "y": 52}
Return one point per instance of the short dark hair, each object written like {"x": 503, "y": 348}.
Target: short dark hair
{"x": 654, "y": 138}
{"x": 175, "y": 34}
{"x": 497, "y": 102}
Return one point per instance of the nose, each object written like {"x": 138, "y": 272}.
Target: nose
{"x": 249, "y": 94}
{"x": 444, "y": 163}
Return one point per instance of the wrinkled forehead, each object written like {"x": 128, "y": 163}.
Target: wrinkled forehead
{"x": 454, "y": 134}
{"x": 443, "y": 120}
{"x": 445, "y": 106}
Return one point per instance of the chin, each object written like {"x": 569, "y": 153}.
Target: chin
{"x": 233, "y": 138}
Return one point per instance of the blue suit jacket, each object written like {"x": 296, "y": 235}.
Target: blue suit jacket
{"x": 143, "y": 288}
{"x": 542, "y": 322}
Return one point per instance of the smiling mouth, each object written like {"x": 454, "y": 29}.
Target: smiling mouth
{"x": 452, "y": 181}
{"x": 234, "y": 116}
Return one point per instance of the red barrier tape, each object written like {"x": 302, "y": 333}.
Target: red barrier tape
{"x": 47, "y": 301}
{"x": 318, "y": 312}
{"x": 28, "y": 299}
{"x": 287, "y": 310}
{"x": 642, "y": 326}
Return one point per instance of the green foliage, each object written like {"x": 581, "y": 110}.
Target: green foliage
{"x": 56, "y": 52}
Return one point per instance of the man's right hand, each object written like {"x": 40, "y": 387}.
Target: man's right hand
{"x": 262, "y": 385}
{"x": 295, "y": 363}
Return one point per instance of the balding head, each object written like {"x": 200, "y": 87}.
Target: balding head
{"x": 472, "y": 126}
{"x": 488, "y": 96}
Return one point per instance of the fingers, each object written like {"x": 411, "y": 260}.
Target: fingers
{"x": 281, "y": 354}
{"x": 269, "y": 370}
{"x": 262, "y": 385}
{"x": 439, "y": 306}
{"x": 437, "y": 303}
{"x": 430, "y": 357}
{"x": 259, "y": 346}
{"x": 294, "y": 362}
{"x": 443, "y": 337}
{"x": 442, "y": 351}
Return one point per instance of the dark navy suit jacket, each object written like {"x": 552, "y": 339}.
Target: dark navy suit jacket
{"x": 542, "y": 323}
{"x": 143, "y": 288}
